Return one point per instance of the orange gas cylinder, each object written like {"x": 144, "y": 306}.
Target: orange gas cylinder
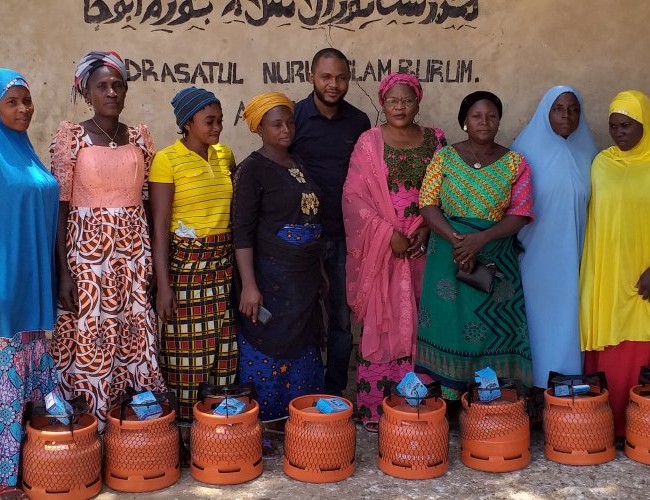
{"x": 495, "y": 436}
{"x": 60, "y": 463}
{"x": 578, "y": 430}
{"x": 318, "y": 447}
{"x": 637, "y": 430}
{"x": 226, "y": 449}
{"x": 413, "y": 440}
{"x": 141, "y": 455}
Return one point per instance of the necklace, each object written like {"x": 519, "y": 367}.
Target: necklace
{"x": 478, "y": 164}
{"x": 289, "y": 164}
{"x": 112, "y": 144}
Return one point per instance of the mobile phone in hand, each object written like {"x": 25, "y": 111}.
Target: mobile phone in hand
{"x": 263, "y": 314}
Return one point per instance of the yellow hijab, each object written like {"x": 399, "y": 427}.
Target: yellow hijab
{"x": 636, "y": 105}
{"x": 259, "y": 105}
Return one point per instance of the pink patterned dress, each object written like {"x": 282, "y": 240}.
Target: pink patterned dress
{"x": 109, "y": 344}
{"x": 389, "y": 358}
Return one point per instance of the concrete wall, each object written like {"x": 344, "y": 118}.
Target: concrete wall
{"x": 237, "y": 48}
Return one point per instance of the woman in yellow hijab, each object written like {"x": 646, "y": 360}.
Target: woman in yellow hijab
{"x": 276, "y": 231}
{"x": 615, "y": 271}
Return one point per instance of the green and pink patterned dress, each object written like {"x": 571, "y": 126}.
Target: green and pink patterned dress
{"x": 462, "y": 329}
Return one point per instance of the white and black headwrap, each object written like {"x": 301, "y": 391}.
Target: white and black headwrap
{"x": 92, "y": 61}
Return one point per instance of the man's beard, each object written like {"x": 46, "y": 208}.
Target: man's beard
{"x": 329, "y": 104}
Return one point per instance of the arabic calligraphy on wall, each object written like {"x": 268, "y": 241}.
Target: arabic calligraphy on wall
{"x": 170, "y": 15}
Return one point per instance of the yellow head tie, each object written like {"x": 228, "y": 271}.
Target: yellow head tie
{"x": 628, "y": 103}
{"x": 259, "y": 105}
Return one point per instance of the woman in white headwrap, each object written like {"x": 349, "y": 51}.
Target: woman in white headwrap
{"x": 105, "y": 336}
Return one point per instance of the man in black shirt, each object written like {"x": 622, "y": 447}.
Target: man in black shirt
{"x": 327, "y": 128}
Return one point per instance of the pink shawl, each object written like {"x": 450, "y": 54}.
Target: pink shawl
{"x": 380, "y": 287}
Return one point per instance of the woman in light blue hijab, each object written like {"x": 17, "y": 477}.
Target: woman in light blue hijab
{"x": 559, "y": 147}
{"x": 29, "y": 196}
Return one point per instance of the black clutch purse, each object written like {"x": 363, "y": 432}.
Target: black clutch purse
{"x": 482, "y": 278}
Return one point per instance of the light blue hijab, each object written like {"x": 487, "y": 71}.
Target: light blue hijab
{"x": 540, "y": 145}
{"x": 560, "y": 171}
{"x": 30, "y": 200}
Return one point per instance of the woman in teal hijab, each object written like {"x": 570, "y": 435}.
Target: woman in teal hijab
{"x": 29, "y": 197}
{"x": 559, "y": 146}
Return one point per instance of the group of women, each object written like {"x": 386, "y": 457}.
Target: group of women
{"x": 426, "y": 222}
{"x": 114, "y": 231}
{"x": 417, "y": 212}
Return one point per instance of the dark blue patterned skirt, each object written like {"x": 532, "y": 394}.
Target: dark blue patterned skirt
{"x": 278, "y": 381}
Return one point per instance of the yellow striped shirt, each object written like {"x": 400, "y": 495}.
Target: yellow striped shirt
{"x": 202, "y": 189}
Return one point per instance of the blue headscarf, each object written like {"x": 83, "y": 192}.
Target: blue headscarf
{"x": 30, "y": 196}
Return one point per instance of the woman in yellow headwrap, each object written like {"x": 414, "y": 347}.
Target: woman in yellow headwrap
{"x": 615, "y": 271}
{"x": 276, "y": 232}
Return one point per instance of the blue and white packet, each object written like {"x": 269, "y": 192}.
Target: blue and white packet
{"x": 331, "y": 405}
{"x": 229, "y": 406}
{"x": 570, "y": 390}
{"x": 146, "y": 411}
{"x": 412, "y": 388}
{"x": 58, "y": 407}
{"x": 488, "y": 385}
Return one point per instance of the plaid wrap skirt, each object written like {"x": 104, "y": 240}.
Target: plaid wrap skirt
{"x": 200, "y": 343}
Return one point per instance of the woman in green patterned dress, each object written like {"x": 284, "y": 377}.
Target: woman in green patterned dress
{"x": 475, "y": 197}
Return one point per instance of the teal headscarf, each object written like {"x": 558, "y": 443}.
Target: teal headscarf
{"x": 30, "y": 200}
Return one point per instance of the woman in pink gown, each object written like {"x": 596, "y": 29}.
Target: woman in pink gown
{"x": 386, "y": 239}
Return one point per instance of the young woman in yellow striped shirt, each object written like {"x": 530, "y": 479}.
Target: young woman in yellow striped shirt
{"x": 191, "y": 192}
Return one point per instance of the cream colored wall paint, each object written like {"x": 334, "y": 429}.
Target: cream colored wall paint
{"x": 517, "y": 48}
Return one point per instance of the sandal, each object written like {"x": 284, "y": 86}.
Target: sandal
{"x": 12, "y": 493}
{"x": 372, "y": 427}
{"x": 184, "y": 456}
{"x": 275, "y": 427}
{"x": 270, "y": 449}
{"x": 619, "y": 442}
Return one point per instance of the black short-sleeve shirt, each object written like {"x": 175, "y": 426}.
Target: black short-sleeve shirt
{"x": 324, "y": 147}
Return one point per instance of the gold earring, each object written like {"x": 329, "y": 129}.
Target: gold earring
{"x": 90, "y": 105}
